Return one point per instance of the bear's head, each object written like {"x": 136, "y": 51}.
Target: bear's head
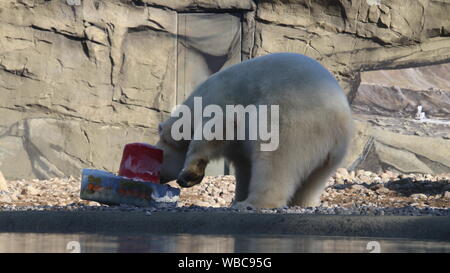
{"x": 174, "y": 155}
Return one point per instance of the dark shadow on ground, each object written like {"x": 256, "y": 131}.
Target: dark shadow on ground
{"x": 408, "y": 186}
{"x": 405, "y": 186}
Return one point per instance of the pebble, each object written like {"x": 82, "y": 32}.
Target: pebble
{"x": 347, "y": 193}
{"x": 5, "y": 198}
{"x": 29, "y": 190}
{"x": 358, "y": 188}
{"x": 383, "y": 190}
{"x": 419, "y": 196}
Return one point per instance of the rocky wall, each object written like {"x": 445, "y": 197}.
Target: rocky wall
{"x": 79, "y": 79}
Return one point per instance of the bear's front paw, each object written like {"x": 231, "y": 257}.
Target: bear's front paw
{"x": 189, "y": 179}
{"x": 243, "y": 206}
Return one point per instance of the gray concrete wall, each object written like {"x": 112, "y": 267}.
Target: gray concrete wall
{"x": 412, "y": 227}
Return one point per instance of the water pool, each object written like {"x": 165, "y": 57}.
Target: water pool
{"x": 119, "y": 242}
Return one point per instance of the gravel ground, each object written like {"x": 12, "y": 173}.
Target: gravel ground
{"x": 355, "y": 193}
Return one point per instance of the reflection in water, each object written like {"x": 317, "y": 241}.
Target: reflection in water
{"x": 36, "y": 242}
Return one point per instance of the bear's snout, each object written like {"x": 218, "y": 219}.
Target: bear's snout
{"x": 189, "y": 179}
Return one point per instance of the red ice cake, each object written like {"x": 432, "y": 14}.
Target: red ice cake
{"x": 141, "y": 161}
{"x": 137, "y": 183}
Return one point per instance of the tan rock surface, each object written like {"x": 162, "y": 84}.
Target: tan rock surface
{"x": 79, "y": 82}
{"x": 390, "y": 144}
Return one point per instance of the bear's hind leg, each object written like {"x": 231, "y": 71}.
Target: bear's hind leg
{"x": 243, "y": 175}
{"x": 309, "y": 191}
{"x": 270, "y": 186}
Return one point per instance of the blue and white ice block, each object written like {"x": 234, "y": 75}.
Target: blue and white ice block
{"x": 110, "y": 189}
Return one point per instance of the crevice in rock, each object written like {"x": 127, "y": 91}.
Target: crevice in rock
{"x": 69, "y": 36}
{"x": 71, "y": 156}
{"x": 24, "y": 72}
{"x": 140, "y": 3}
{"x": 369, "y": 159}
{"x": 355, "y": 83}
{"x": 147, "y": 28}
{"x": 66, "y": 108}
{"x": 52, "y": 113}
{"x": 248, "y": 29}
{"x": 296, "y": 27}
{"x": 367, "y": 148}
{"x": 387, "y": 167}
{"x": 374, "y": 38}
{"x": 421, "y": 158}
{"x": 54, "y": 30}
{"x": 86, "y": 136}
{"x": 85, "y": 49}
{"x": 437, "y": 167}
{"x": 127, "y": 103}
{"x": 39, "y": 168}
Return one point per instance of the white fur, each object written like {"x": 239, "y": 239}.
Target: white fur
{"x": 315, "y": 128}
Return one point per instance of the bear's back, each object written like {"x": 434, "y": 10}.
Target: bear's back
{"x": 279, "y": 78}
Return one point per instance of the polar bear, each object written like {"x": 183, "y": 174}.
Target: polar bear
{"x": 314, "y": 124}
